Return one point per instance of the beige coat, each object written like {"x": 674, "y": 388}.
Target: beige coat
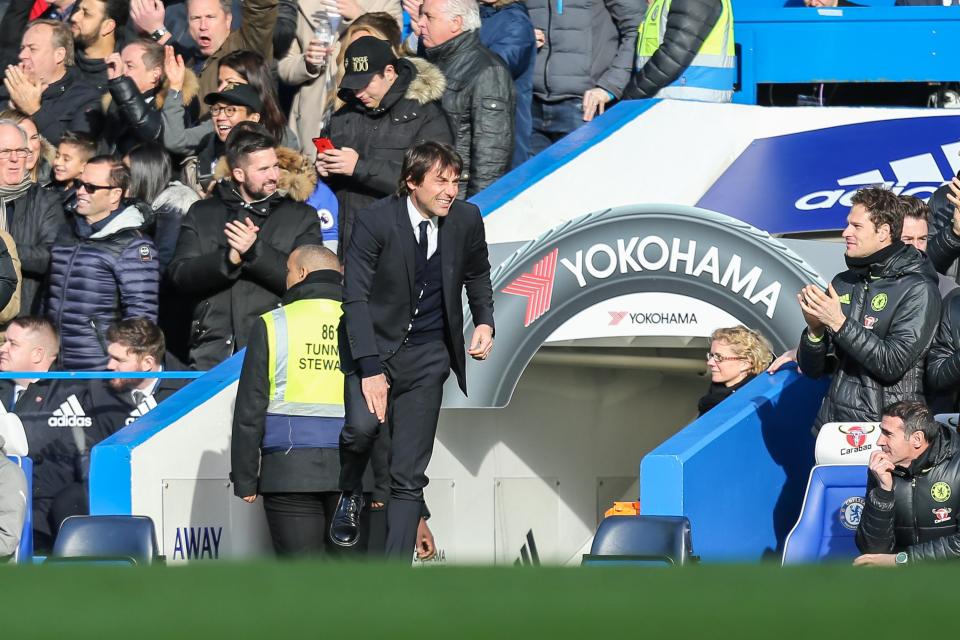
{"x": 12, "y": 310}
{"x": 308, "y": 106}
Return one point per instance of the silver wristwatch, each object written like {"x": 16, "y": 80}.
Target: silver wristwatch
{"x": 159, "y": 33}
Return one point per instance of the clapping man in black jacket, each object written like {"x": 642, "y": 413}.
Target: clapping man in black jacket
{"x": 871, "y": 329}
{"x": 233, "y": 247}
{"x": 913, "y": 491}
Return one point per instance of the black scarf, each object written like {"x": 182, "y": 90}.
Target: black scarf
{"x": 862, "y": 266}
{"x": 718, "y": 392}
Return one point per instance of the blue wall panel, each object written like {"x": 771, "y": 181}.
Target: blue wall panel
{"x": 739, "y": 472}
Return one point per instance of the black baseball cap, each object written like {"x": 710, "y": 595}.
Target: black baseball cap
{"x": 239, "y": 94}
{"x": 365, "y": 57}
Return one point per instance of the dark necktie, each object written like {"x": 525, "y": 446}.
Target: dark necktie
{"x": 423, "y": 238}
{"x": 138, "y": 397}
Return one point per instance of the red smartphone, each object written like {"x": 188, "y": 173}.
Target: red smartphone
{"x": 323, "y": 144}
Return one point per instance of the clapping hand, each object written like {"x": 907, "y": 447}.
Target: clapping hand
{"x": 240, "y": 237}
{"x": 25, "y": 94}
{"x": 174, "y": 68}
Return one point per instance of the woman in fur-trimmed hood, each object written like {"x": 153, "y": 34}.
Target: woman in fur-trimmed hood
{"x": 379, "y": 134}
{"x": 132, "y": 107}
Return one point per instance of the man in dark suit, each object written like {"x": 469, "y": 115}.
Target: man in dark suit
{"x": 408, "y": 262}
{"x": 136, "y": 345}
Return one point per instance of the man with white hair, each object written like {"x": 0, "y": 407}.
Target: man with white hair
{"x": 479, "y": 98}
{"x": 31, "y": 214}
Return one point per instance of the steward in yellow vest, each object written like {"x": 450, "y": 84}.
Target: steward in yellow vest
{"x": 289, "y": 408}
{"x": 685, "y": 51}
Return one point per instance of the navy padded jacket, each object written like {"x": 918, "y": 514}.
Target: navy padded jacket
{"x": 99, "y": 278}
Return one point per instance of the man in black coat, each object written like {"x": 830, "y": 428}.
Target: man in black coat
{"x": 31, "y": 214}
{"x": 391, "y": 105}
{"x": 48, "y": 87}
{"x": 409, "y": 260}
{"x": 135, "y": 345}
{"x": 233, "y": 247}
{"x": 479, "y": 99}
{"x": 871, "y": 329}
{"x": 913, "y": 491}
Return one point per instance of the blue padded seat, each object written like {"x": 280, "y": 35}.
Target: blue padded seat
{"x": 642, "y": 540}
{"x": 830, "y": 515}
{"x": 107, "y": 537}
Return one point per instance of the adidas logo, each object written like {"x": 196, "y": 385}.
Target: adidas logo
{"x": 70, "y": 414}
{"x": 918, "y": 176}
{"x": 141, "y": 410}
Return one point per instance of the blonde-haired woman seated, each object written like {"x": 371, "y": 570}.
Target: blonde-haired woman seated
{"x": 736, "y": 355}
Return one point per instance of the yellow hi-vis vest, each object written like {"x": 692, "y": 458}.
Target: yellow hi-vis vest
{"x": 712, "y": 74}
{"x": 306, "y": 386}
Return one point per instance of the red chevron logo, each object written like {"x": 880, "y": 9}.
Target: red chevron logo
{"x": 536, "y": 287}
{"x": 616, "y": 317}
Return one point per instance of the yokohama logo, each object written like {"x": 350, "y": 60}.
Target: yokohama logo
{"x": 616, "y": 317}
{"x": 536, "y": 287}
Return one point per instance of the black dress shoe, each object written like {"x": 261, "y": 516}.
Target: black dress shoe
{"x": 345, "y": 527}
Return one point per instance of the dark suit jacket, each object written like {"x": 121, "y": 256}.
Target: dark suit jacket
{"x": 378, "y": 292}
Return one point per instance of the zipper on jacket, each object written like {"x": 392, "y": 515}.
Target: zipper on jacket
{"x": 546, "y": 35}
{"x": 96, "y": 333}
{"x": 913, "y": 494}
{"x": 63, "y": 297}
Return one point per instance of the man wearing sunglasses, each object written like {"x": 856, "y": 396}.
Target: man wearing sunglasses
{"x": 103, "y": 267}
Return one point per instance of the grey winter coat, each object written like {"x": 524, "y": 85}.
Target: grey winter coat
{"x": 589, "y": 43}
{"x": 480, "y": 102}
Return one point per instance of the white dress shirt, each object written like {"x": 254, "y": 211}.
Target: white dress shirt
{"x": 433, "y": 229}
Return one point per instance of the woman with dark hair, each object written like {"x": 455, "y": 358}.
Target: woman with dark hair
{"x": 239, "y": 67}
{"x": 248, "y": 67}
{"x": 151, "y": 180}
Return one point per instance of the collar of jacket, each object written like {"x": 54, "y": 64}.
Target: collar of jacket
{"x": 60, "y": 87}
{"x": 229, "y": 193}
{"x": 890, "y": 262}
{"x": 128, "y": 215}
{"x": 405, "y": 75}
{"x": 89, "y": 65}
{"x": 463, "y": 42}
{"x": 318, "y": 284}
{"x": 936, "y": 454}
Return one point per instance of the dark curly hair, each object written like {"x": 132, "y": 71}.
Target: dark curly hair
{"x": 884, "y": 208}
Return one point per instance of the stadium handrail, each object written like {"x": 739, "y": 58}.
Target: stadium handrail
{"x": 843, "y": 44}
